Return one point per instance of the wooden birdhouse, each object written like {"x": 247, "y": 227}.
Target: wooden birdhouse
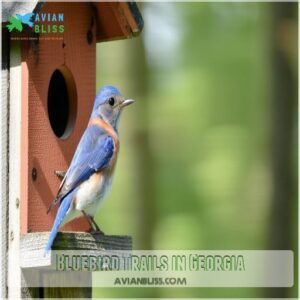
{"x": 49, "y": 83}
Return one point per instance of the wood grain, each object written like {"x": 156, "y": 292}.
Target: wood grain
{"x": 35, "y": 265}
{"x": 4, "y": 161}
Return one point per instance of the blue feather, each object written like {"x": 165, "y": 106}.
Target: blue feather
{"x": 93, "y": 153}
{"x": 104, "y": 93}
{"x": 61, "y": 213}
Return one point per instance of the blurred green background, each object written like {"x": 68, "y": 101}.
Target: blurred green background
{"x": 209, "y": 150}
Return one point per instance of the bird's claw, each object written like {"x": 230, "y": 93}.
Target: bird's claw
{"x": 96, "y": 231}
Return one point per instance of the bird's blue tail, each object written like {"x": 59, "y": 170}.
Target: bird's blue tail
{"x": 61, "y": 213}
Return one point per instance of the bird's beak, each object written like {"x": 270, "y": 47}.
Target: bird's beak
{"x": 127, "y": 102}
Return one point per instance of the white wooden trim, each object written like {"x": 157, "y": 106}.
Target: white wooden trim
{"x": 14, "y": 271}
{"x": 4, "y": 175}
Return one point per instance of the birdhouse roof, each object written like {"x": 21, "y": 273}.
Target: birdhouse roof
{"x": 115, "y": 20}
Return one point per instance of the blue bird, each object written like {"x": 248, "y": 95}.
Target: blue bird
{"x": 89, "y": 176}
{"x": 25, "y": 19}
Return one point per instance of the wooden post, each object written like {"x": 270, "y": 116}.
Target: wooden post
{"x": 34, "y": 242}
{"x": 4, "y": 162}
{"x": 14, "y": 273}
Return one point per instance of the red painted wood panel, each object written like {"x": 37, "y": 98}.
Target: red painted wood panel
{"x": 115, "y": 21}
{"x": 41, "y": 149}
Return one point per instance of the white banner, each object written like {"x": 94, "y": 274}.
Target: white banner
{"x": 194, "y": 268}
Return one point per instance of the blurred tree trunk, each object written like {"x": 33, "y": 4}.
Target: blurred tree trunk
{"x": 144, "y": 163}
{"x": 284, "y": 219}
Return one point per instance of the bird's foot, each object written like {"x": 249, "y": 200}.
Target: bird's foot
{"x": 92, "y": 230}
{"x": 97, "y": 228}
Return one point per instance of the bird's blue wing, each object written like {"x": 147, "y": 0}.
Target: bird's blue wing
{"x": 93, "y": 153}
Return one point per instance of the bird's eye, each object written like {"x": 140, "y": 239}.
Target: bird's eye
{"x": 111, "y": 101}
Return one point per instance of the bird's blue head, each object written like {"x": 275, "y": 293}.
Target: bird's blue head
{"x": 109, "y": 104}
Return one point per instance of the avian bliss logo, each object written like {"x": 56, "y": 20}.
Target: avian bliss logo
{"x": 39, "y": 22}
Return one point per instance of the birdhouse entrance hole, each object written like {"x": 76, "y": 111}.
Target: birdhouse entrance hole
{"x": 62, "y": 102}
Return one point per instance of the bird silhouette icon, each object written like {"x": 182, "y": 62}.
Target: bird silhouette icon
{"x": 25, "y": 19}
{"x": 16, "y": 22}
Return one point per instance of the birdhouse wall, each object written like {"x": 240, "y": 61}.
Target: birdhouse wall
{"x": 43, "y": 152}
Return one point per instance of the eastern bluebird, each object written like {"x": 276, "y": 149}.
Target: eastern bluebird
{"x": 89, "y": 176}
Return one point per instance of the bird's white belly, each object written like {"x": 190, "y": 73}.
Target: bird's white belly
{"x": 91, "y": 193}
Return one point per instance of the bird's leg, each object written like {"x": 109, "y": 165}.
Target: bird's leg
{"x": 90, "y": 219}
{"x": 96, "y": 226}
